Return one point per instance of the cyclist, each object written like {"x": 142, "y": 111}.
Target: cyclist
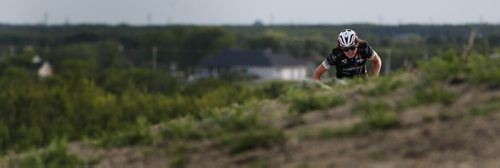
{"x": 349, "y": 57}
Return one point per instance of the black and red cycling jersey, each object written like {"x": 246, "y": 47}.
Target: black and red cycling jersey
{"x": 349, "y": 67}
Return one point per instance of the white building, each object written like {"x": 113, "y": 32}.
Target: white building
{"x": 263, "y": 65}
{"x": 43, "y": 68}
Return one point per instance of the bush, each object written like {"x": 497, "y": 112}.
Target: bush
{"x": 426, "y": 94}
{"x": 251, "y": 139}
{"x": 237, "y": 128}
{"x": 484, "y": 70}
{"x": 442, "y": 67}
{"x": 382, "y": 120}
{"x": 55, "y": 155}
{"x": 477, "y": 69}
{"x": 376, "y": 115}
{"x": 76, "y": 108}
{"x": 179, "y": 154}
{"x": 272, "y": 90}
{"x": 234, "y": 119}
{"x": 365, "y": 107}
{"x": 385, "y": 86}
{"x": 223, "y": 96}
{"x": 488, "y": 108}
{"x": 138, "y": 134}
{"x": 303, "y": 101}
{"x": 356, "y": 129}
{"x": 182, "y": 129}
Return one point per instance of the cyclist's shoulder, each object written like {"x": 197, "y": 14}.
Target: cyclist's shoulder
{"x": 364, "y": 45}
{"x": 336, "y": 52}
{"x": 365, "y": 49}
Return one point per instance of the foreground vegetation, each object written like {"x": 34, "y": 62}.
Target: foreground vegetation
{"x": 226, "y": 114}
{"x": 107, "y": 98}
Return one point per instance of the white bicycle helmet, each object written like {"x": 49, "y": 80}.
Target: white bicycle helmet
{"x": 347, "y": 38}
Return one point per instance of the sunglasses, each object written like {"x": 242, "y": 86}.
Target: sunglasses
{"x": 352, "y": 48}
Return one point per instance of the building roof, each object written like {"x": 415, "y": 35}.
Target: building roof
{"x": 250, "y": 58}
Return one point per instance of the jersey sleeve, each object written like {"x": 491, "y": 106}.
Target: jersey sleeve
{"x": 329, "y": 62}
{"x": 374, "y": 53}
{"x": 367, "y": 52}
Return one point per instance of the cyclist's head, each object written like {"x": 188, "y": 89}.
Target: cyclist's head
{"x": 347, "y": 38}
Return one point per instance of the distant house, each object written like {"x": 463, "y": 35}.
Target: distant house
{"x": 263, "y": 65}
{"x": 43, "y": 68}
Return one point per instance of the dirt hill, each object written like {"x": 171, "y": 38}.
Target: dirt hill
{"x": 459, "y": 131}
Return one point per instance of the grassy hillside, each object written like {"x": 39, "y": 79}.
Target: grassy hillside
{"x": 441, "y": 114}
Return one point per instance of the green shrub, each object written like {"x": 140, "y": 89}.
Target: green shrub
{"x": 240, "y": 129}
{"x": 327, "y": 133}
{"x": 55, "y": 155}
{"x": 365, "y": 107}
{"x": 272, "y": 90}
{"x": 361, "y": 128}
{"x": 433, "y": 94}
{"x": 178, "y": 153}
{"x": 79, "y": 107}
{"x": 382, "y": 119}
{"x": 356, "y": 129}
{"x": 303, "y": 101}
{"x": 444, "y": 116}
{"x": 237, "y": 128}
{"x": 294, "y": 118}
{"x": 442, "y": 67}
{"x": 488, "y": 108}
{"x": 136, "y": 135}
{"x": 182, "y": 128}
{"x": 235, "y": 119}
{"x": 376, "y": 115}
{"x": 477, "y": 69}
{"x": 385, "y": 86}
{"x": 484, "y": 70}
{"x": 223, "y": 96}
{"x": 251, "y": 139}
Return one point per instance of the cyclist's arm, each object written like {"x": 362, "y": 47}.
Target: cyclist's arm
{"x": 319, "y": 70}
{"x": 376, "y": 65}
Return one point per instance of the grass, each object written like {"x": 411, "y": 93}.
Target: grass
{"x": 183, "y": 128}
{"x": 179, "y": 154}
{"x": 237, "y": 129}
{"x": 434, "y": 94}
{"x": 376, "y": 115}
{"x": 382, "y": 120}
{"x": 490, "y": 107}
{"x": 484, "y": 70}
{"x": 385, "y": 86}
{"x": 302, "y": 101}
{"x": 138, "y": 134}
{"x": 55, "y": 155}
{"x": 427, "y": 92}
{"x": 354, "y": 130}
{"x": 248, "y": 140}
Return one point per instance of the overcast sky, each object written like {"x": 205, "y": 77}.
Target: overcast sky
{"x": 245, "y": 12}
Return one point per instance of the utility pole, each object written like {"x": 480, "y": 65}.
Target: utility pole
{"x": 154, "y": 55}
{"x": 470, "y": 43}
{"x": 149, "y": 18}
{"x": 426, "y": 52}
{"x": 45, "y": 18}
{"x": 387, "y": 67}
